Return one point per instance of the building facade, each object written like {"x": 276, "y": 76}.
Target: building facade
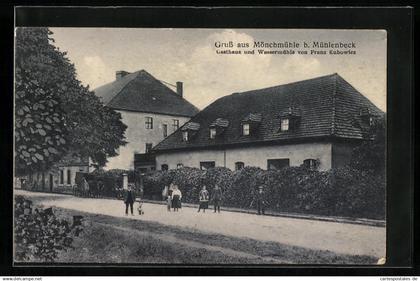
{"x": 315, "y": 122}
{"x": 144, "y": 130}
{"x": 61, "y": 177}
{"x": 151, "y": 111}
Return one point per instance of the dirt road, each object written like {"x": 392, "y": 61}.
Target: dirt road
{"x": 340, "y": 238}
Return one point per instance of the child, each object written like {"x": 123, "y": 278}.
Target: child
{"x": 203, "y": 198}
{"x": 140, "y": 207}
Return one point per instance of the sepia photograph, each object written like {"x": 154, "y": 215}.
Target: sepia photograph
{"x": 199, "y": 146}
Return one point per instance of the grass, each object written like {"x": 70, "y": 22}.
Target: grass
{"x": 107, "y": 239}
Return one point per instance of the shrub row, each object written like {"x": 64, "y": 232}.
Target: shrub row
{"x": 39, "y": 234}
{"x": 338, "y": 192}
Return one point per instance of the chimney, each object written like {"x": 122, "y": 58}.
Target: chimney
{"x": 179, "y": 88}
{"x": 120, "y": 74}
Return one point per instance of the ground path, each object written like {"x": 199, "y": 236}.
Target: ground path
{"x": 172, "y": 239}
{"x": 340, "y": 238}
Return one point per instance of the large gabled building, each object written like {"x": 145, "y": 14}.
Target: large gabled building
{"x": 150, "y": 109}
{"x": 315, "y": 122}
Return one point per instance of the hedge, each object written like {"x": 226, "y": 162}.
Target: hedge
{"x": 337, "y": 192}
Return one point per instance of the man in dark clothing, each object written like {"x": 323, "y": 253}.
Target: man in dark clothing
{"x": 129, "y": 199}
{"x": 217, "y": 198}
{"x": 260, "y": 201}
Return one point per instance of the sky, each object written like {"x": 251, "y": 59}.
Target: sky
{"x": 189, "y": 55}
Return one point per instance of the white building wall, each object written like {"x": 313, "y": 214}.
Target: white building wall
{"x": 137, "y": 136}
{"x": 251, "y": 156}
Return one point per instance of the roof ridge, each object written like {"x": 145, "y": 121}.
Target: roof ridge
{"x": 119, "y": 92}
{"x": 172, "y": 91}
{"x": 290, "y": 83}
{"x": 160, "y": 82}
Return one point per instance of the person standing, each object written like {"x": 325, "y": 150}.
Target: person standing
{"x": 217, "y": 198}
{"x": 176, "y": 198}
{"x": 260, "y": 200}
{"x": 167, "y": 195}
{"x": 85, "y": 188}
{"x": 203, "y": 198}
{"x": 129, "y": 199}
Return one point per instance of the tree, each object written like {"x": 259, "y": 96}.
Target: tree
{"x": 40, "y": 135}
{"x": 83, "y": 125}
{"x": 370, "y": 155}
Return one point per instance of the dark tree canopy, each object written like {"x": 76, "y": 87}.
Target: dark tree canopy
{"x": 370, "y": 155}
{"x": 55, "y": 113}
{"x": 40, "y": 134}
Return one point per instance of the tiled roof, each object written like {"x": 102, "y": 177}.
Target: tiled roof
{"x": 140, "y": 91}
{"x": 325, "y": 105}
{"x": 191, "y": 126}
{"x": 253, "y": 117}
{"x": 220, "y": 122}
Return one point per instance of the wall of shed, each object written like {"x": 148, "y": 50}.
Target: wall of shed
{"x": 137, "y": 136}
{"x": 251, "y": 156}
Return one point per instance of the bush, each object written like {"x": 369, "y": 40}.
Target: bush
{"x": 40, "y": 235}
{"x": 340, "y": 192}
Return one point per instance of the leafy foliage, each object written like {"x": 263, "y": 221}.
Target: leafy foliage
{"x": 40, "y": 235}
{"x": 339, "y": 192}
{"x": 54, "y": 112}
{"x": 371, "y": 154}
{"x": 41, "y": 138}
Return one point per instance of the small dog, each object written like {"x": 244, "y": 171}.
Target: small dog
{"x": 140, "y": 208}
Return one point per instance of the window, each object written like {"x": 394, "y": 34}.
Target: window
{"x": 277, "y": 164}
{"x": 185, "y": 135}
{"x": 179, "y": 165}
{"x": 175, "y": 124}
{"x": 312, "y": 164}
{"x": 148, "y": 147}
{"x": 165, "y": 130}
{"x": 284, "y": 125}
{"x": 68, "y": 176}
{"x": 149, "y": 123}
{"x": 164, "y": 167}
{"x": 61, "y": 177}
{"x": 239, "y": 165}
{"x": 245, "y": 129}
{"x": 212, "y": 133}
{"x": 207, "y": 165}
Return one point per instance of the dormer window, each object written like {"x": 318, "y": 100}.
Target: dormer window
{"x": 290, "y": 119}
{"x": 250, "y": 123}
{"x": 212, "y": 133}
{"x": 185, "y": 135}
{"x": 367, "y": 116}
{"x": 189, "y": 130}
{"x": 218, "y": 127}
{"x": 285, "y": 124}
{"x": 246, "y": 129}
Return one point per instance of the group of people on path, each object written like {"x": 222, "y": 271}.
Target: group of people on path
{"x": 173, "y": 197}
{"x": 204, "y": 198}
